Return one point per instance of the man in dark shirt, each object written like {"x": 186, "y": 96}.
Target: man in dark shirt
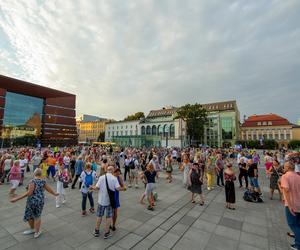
{"x": 253, "y": 176}
{"x": 220, "y": 170}
{"x": 243, "y": 172}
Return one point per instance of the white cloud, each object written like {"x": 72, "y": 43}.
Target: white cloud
{"x": 122, "y": 57}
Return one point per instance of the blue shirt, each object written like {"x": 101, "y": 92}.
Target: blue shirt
{"x": 79, "y": 167}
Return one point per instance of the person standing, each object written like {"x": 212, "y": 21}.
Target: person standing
{"x": 275, "y": 172}
{"x": 62, "y": 175}
{"x": 220, "y": 170}
{"x": 87, "y": 178}
{"x": 150, "y": 175}
{"x": 8, "y": 163}
{"x": 195, "y": 178}
{"x": 104, "y": 203}
{"x": 79, "y": 166}
{"x": 243, "y": 172}
{"x": 15, "y": 177}
{"x": 37, "y": 158}
{"x": 169, "y": 167}
{"x": 51, "y": 166}
{"x": 290, "y": 184}
{"x": 229, "y": 176}
{"x": 210, "y": 174}
{"x": 35, "y": 202}
{"x": 253, "y": 176}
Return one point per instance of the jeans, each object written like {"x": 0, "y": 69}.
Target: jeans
{"x": 220, "y": 176}
{"x": 84, "y": 197}
{"x": 245, "y": 175}
{"x": 294, "y": 224}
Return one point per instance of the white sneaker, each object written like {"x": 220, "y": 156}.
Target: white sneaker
{"x": 36, "y": 235}
{"x": 57, "y": 206}
{"x": 27, "y": 232}
{"x": 208, "y": 188}
{"x": 136, "y": 186}
{"x": 64, "y": 201}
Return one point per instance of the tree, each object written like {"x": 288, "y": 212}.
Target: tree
{"x": 101, "y": 137}
{"x": 195, "y": 117}
{"x": 294, "y": 144}
{"x": 135, "y": 116}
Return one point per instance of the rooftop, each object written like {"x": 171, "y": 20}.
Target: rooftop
{"x": 265, "y": 120}
{"x": 27, "y": 88}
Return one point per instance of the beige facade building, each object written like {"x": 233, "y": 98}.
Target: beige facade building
{"x": 269, "y": 127}
{"x": 89, "y": 131}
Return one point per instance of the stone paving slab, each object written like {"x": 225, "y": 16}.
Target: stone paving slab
{"x": 175, "y": 223}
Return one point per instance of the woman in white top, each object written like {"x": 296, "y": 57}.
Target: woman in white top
{"x": 8, "y": 162}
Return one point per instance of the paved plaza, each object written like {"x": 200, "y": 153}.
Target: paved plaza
{"x": 175, "y": 223}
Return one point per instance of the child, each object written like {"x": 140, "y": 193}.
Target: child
{"x": 87, "y": 178}
{"x": 63, "y": 177}
{"x": 15, "y": 177}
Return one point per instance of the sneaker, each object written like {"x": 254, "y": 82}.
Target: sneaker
{"x": 129, "y": 186}
{"x": 113, "y": 228}
{"x": 30, "y": 231}
{"x": 64, "y": 201}
{"x": 107, "y": 235}
{"x": 293, "y": 246}
{"x": 150, "y": 208}
{"x": 36, "y": 235}
{"x": 83, "y": 213}
{"x": 208, "y": 188}
{"x": 92, "y": 210}
{"x": 136, "y": 186}
{"x": 96, "y": 233}
{"x": 57, "y": 206}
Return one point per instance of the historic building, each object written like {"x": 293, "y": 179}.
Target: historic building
{"x": 162, "y": 128}
{"x": 36, "y": 113}
{"x": 269, "y": 127}
{"x": 90, "y": 130}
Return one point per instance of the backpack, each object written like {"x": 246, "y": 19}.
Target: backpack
{"x": 252, "y": 197}
{"x": 131, "y": 164}
{"x": 88, "y": 179}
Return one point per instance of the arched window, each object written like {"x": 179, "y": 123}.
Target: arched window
{"x": 143, "y": 130}
{"x": 172, "y": 131}
{"x": 148, "y": 130}
{"x": 165, "y": 130}
{"x": 153, "y": 130}
{"x": 159, "y": 130}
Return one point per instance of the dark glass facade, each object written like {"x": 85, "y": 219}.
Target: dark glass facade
{"x": 227, "y": 128}
{"x": 36, "y": 113}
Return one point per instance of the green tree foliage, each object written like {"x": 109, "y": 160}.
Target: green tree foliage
{"x": 135, "y": 116}
{"x": 196, "y": 119}
{"x": 294, "y": 144}
{"x": 101, "y": 137}
{"x": 268, "y": 144}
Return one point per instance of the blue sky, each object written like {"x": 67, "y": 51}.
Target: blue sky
{"x": 120, "y": 57}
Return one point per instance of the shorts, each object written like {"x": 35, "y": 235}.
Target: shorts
{"x": 149, "y": 189}
{"x": 254, "y": 182}
{"x": 14, "y": 183}
{"x": 101, "y": 211}
{"x": 134, "y": 173}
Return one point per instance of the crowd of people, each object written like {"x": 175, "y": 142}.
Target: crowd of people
{"x": 111, "y": 170}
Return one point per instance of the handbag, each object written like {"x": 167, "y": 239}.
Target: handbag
{"x": 111, "y": 194}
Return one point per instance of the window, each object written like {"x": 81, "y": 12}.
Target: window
{"x": 148, "y": 130}
{"x": 259, "y": 123}
{"x": 264, "y": 123}
{"x": 121, "y": 133}
{"x": 270, "y": 123}
{"x": 227, "y": 128}
{"x": 143, "y": 130}
{"x": 108, "y": 134}
{"x": 126, "y": 133}
{"x": 172, "y": 131}
{"x": 130, "y": 132}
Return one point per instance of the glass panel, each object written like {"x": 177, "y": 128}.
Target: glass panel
{"x": 22, "y": 118}
{"x": 227, "y": 127}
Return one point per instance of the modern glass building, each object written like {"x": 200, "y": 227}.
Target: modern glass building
{"x": 223, "y": 124}
{"x": 32, "y": 114}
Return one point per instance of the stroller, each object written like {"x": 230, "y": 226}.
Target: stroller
{"x": 252, "y": 197}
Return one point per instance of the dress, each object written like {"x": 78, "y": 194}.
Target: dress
{"x": 229, "y": 187}
{"x": 35, "y": 202}
{"x": 195, "y": 188}
{"x": 275, "y": 177}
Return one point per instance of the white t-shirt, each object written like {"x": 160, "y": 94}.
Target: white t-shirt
{"x": 23, "y": 162}
{"x": 113, "y": 184}
{"x": 7, "y": 164}
{"x": 174, "y": 153}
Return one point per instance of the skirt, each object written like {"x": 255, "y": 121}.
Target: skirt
{"x": 229, "y": 192}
